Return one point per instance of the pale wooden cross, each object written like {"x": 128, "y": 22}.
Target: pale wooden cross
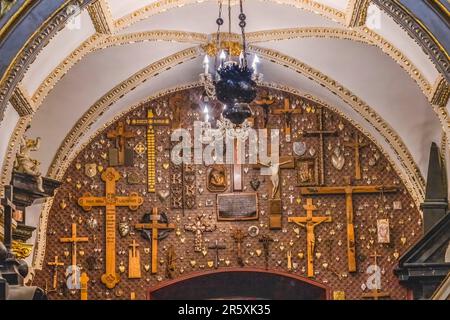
{"x": 154, "y": 226}
{"x": 134, "y": 261}
{"x": 275, "y": 207}
{"x": 56, "y": 263}
{"x": 120, "y": 135}
{"x": 348, "y": 190}
{"x": 357, "y": 146}
{"x": 151, "y": 122}
{"x": 309, "y": 223}
{"x": 198, "y": 228}
{"x": 238, "y": 184}
{"x": 110, "y": 201}
{"x": 239, "y": 236}
{"x": 321, "y": 133}
{"x": 266, "y": 240}
{"x": 73, "y": 240}
{"x": 287, "y": 112}
{"x": 217, "y": 247}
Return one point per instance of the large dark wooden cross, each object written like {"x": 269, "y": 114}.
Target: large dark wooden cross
{"x": 287, "y": 112}
{"x": 120, "y": 155}
{"x": 217, "y": 247}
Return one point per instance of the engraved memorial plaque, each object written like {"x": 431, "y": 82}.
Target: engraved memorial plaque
{"x": 237, "y": 206}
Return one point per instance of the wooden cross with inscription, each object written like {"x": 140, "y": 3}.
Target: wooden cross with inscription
{"x": 357, "y": 146}
{"x": 55, "y": 264}
{"x": 73, "y": 240}
{"x": 238, "y": 237}
{"x": 119, "y": 155}
{"x": 287, "y": 111}
{"x": 275, "y": 207}
{"x": 151, "y": 122}
{"x": 217, "y": 247}
{"x": 309, "y": 223}
{"x": 376, "y": 293}
{"x": 110, "y": 278}
{"x": 321, "y": 133}
{"x": 154, "y": 226}
{"x": 348, "y": 191}
{"x": 266, "y": 240}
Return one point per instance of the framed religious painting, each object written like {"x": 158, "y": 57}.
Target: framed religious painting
{"x": 237, "y": 207}
{"x": 307, "y": 172}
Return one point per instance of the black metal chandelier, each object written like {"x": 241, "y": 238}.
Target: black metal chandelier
{"x": 235, "y": 82}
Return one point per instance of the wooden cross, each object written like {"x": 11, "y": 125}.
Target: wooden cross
{"x": 170, "y": 262}
{"x": 265, "y": 102}
{"x": 134, "y": 261}
{"x": 287, "y": 111}
{"x": 357, "y": 146}
{"x": 84, "y": 280}
{"x": 321, "y": 133}
{"x": 55, "y": 264}
{"x": 198, "y": 228}
{"x": 73, "y": 240}
{"x": 275, "y": 207}
{"x": 309, "y": 223}
{"x": 110, "y": 278}
{"x": 119, "y": 155}
{"x": 376, "y": 293}
{"x": 217, "y": 247}
{"x": 154, "y": 228}
{"x": 238, "y": 237}
{"x": 266, "y": 240}
{"x": 348, "y": 191}
{"x": 151, "y": 122}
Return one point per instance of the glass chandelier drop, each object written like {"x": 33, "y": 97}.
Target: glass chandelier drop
{"x": 229, "y": 78}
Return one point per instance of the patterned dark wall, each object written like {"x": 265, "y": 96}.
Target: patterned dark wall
{"x": 330, "y": 258}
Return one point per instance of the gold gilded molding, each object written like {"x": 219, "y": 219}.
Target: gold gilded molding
{"x": 114, "y": 95}
{"x": 13, "y": 145}
{"x": 40, "y": 246}
{"x": 165, "y": 5}
{"x": 101, "y": 17}
{"x": 22, "y": 102}
{"x": 21, "y": 250}
{"x": 352, "y": 100}
{"x": 440, "y": 93}
{"x": 100, "y": 41}
{"x": 356, "y": 13}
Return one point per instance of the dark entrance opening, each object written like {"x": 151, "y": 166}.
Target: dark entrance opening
{"x": 251, "y": 284}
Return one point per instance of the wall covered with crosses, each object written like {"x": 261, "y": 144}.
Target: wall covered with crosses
{"x": 322, "y": 147}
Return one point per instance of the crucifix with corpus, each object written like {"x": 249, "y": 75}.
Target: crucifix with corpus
{"x": 309, "y": 223}
{"x": 357, "y": 146}
{"x": 287, "y": 112}
{"x": 73, "y": 240}
{"x": 151, "y": 122}
{"x": 321, "y": 133}
{"x": 348, "y": 191}
{"x": 273, "y": 169}
{"x": 110, "y": 201}
{"x": 154, "y": 225}
{"x": 120, "y": 155}
{"x": 265, "y": 102}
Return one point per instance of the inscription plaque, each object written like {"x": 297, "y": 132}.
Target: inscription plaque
{"x": 237, "y": 206}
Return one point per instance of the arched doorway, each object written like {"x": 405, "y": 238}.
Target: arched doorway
{"x": 252, "y": 284}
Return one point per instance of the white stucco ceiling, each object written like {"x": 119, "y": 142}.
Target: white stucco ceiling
{"x": 365, "y": 70}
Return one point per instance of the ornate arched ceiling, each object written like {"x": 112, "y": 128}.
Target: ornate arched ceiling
{"x": 373, "y": 73}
